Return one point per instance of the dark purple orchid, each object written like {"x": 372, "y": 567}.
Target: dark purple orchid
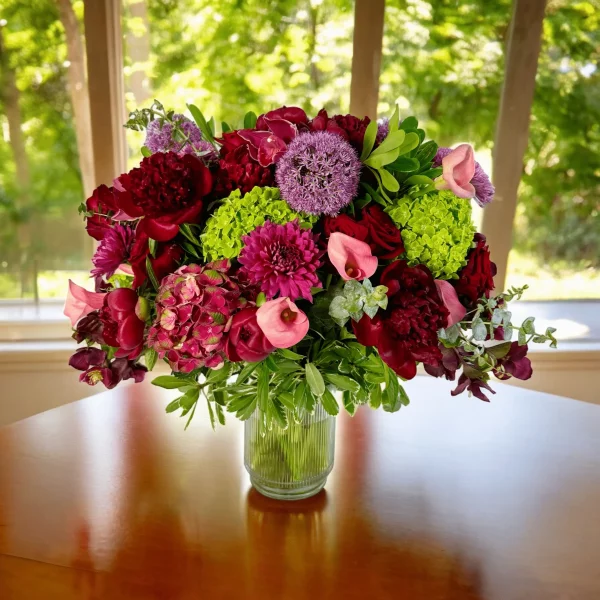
{"x": 475, "y": 386}
{"x": 514, "y": 364}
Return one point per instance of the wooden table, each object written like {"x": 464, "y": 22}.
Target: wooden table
{"x": 451, "y": 498}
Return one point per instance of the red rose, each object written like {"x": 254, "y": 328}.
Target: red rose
{"x": 166, "y": 190}
{"x": 101, "y": 203}
{"x": 246, "y": 341}
{"x": 165, "y": 261}
{"x": 406, "y": 332}
{"x": 347, "y": 225}
{"x": 384, "y": 237}
{"x": 351, "y": 128}
{"x": 375, "y": 228}
{"x": 238, "y": 170}
{"x": 122, "y": 328}
{"x": 476, "y": 278}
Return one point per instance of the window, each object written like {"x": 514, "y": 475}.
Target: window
{"x": 45, "y": 149}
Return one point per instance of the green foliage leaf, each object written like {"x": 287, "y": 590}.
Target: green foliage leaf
{"x": 369, "y": 140}
{"x": 287, "y": 353}
{"x": 150, "y": 358}
{"x": 225, "y": 127}
{"x": 151, "y": 275}
{"x": 314, "y": 379}
{"x": 375, "y": 397}
{"x": 250, "y": 120}
{"x": 404, "y": 164}
{"x": 202, "y": 123}
{"x": 170, "y": 382}
{"x": 393, "y": 140}
{"x": 379, "y": 161}
{"x": 389, "y": 181}
{"x": 172, "y": 406}
{"x": 349, "y": 403}
{"x": 409, "y": 123}
{"x": 411, "y": 141}
{"x": 262, "y": 388}
{"x": 146, "y": 151}
{"x": 329, "y": 402}
{"x": 342, "y": 383}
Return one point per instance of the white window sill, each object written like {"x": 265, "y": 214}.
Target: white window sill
{"x": 25, "y": 321}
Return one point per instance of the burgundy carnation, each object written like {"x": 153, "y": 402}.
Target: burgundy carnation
{"x": 102, "y": 204}
{"x": 246, "y": 341}
{"x": 375, "y": 228}
{"x": 237, "y": 170}
{"x": 476, "y": 278}
{"x": 167, "y": 190}
{"x": 406, "y": 332}
{"x": 351, "y": 128}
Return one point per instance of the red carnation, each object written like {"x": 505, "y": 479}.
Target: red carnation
{"x": 476, "y": 278}
{"x": 406, "y": 332}
{"x": 375, "y": 228}
{"x": 167, "y": 190}
{"x": 351, "y": 128}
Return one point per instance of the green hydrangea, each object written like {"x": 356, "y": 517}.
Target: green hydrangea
{"x": 239, "y": 215}
{"x": 437, "y": 231}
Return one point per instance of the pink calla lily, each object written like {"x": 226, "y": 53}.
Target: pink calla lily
{"x": 282, "y": 322}
{"x": 352, "y": 258}
{"x": 450, "y": 299}
{"x": 458, "y": 170}
{"x": 80, "y": 302}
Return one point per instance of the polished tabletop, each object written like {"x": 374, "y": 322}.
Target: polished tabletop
{"x": 448, "y": 499}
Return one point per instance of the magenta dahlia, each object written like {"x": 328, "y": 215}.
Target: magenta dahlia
{"x": 319, "y": 173}
{"x": 114, "y": 250}
{"x": 282, "y": 259}
{"x": 194, "y": 306}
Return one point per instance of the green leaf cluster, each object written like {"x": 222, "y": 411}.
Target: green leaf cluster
{"x": 356, "y": 299}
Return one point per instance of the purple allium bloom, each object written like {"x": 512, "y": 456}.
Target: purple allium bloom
{"x": 159, "y": 139}
{"x": 113, "y": 250}
{"x": 484, "y": 190}
{"x": 383, "y": 128}
{"x": 318, "y": 173}
{"x": 282, "y": 259}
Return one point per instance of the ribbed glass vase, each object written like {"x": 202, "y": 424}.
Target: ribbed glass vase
{"x": 292, "y": 463}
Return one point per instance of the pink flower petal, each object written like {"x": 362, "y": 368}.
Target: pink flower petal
{"x": 352, "y": 258}
{"x": 451, "y": 302}
{"x": 80, "y": 302}
{"x": 282, "y": 322}
{"x": 458, "y": 170}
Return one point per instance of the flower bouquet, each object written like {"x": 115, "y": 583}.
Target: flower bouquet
{"x": 291, "y": 267}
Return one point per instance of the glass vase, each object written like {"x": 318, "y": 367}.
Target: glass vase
{"x": 292, "y": 463}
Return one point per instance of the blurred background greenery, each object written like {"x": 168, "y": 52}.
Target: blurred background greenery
{"x": 443, "y": 62}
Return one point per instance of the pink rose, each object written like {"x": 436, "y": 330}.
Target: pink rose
{"x": 450, "y": 299}
{"x": 246, "y": 340}
{"x": 352, "y": 258}
{"x": 282, "y": 322}
{"x": 80, "y": 302}
{"x": 458, "y": 170}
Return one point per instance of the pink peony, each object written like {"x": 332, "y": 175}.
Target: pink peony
{"x": 80, "y": 302}
{"x": 282, "y": 322}
{"x": 194, "y": 306}
{"x": 282, "y": 259}
{"x": 450, "y": 299}
{"x": 458, "y": 170}
{"x": 352, "y": 258}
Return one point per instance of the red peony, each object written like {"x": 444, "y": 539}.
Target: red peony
{"x": 166, "y": 190}
{"x": 246, "y": 341}
{"x": 406, "y": 332}
{"x": 349, "y": 127}
{"x": 102, "y": 204}
{"x": 375, "y": 228}
{"x": 476, "y": 278}
{"x": 166, "y": 259}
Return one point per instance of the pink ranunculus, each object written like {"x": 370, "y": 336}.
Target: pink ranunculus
{"x": 246, "y": 340}
{"x": 282, "y": 322}
{"x": 458, "y": 170}
{"x": 450, "y": 299}
{"x": 80, "y": 302}
{"x": 352, "y": 258}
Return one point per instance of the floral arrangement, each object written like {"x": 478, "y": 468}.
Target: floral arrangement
{"x": 274, "y": 265}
